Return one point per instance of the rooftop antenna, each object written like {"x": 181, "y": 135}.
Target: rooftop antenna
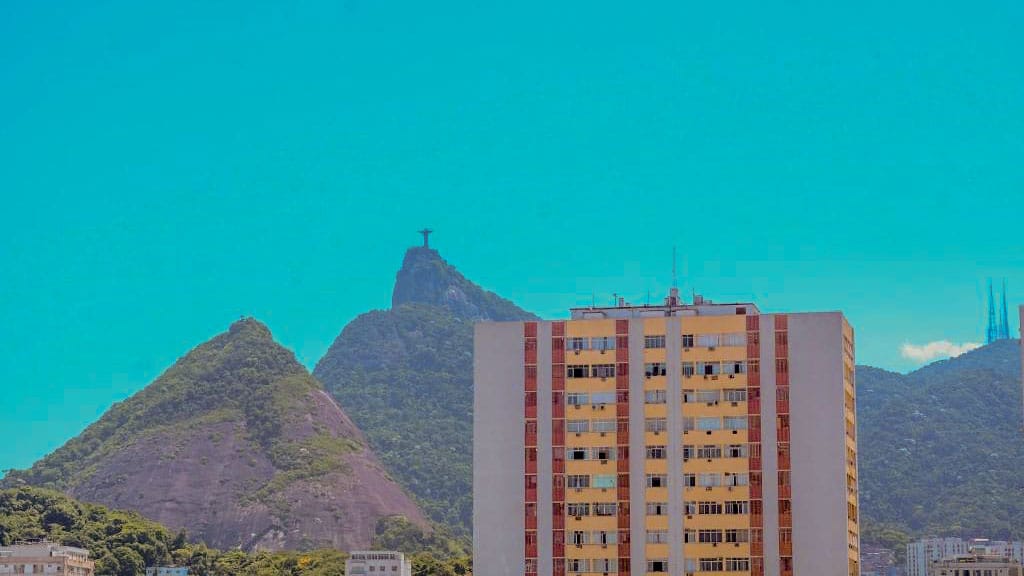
{"x": 992, "y": 332}
{"x": 673, "y": 293}
{"x": 675, "y": 279}
{"x": 426, "y": 236}
{"x": 1004, "y": 318}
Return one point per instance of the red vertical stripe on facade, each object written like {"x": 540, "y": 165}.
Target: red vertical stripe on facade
{"x": 530, "y": 441}
{"x": 754, "y": 445}
{"x": 558, "y": 446}
{"x": 622, "y": 441}
{"x": 782, "y": 445}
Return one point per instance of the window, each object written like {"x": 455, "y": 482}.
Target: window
{"x": 604, "y": 481}
{"x": 737, "y": 507}
{"x": 603, "y": 537}
{"x": 735, "y": 422}
{"x": 657, "y": 565}
{"x": 577, "y": 371}
{"x": 657, "y": 508}
{"x": 603, "y": 453}
{"x": 707, "y": 340}
{"x": 689, "y": 396}
{"x": 656, "y": 452}
{"x": 654, "y": 397}
{"x": 741, "y": 479}
{"x": 655, "y": 424}
{"x": 657, "y": 481}
{"x": 654, "y": 341}
{"x": 603, "y": 343}
{"x": 601, "y": 565}
{"x": 709, "y": 508}
{"x": 709, "y": 536}
{"x": 709, "y": 479}
{"x": 688, "y": 369}
{"x": 712, "y": 423}
{"x": 707, "y": 396}
{"x": 736, "y": 451}
{"x": 734, "y": 339}
{"x": 603, "y": 370}
{"x": 605, "y": 509}
{"x": 657, "y": 537}
{"x": 709, "y": 451}
{"x": 709, "y": 368}
{"x": 576, "y": 454}
{"x": 689, "y": 480}
{"x": 654, "y": 369}
{"x": 603, "y": 426}
{"x": 737, "y": 564}
{"x": 577, "y": 481}
{"x": 737, "y": 535}
{"x": 576, "y": 343}
{"x": 576, "y": 398}
{"x": 734, "y": 367}
{"x": 689, "y": 536}
{"x": 602, "y": 398}
{"x": 687, "y": 340}
{"x": 578, "y": 509}
{"x": 689, "y": 508}
{"x": 577, "y": 425}
{"x": 577, "y": 565}
{"x": 734, "y": 395}
{"x": 579, "y": 538}
{"x": 688, "y": 451}
{"x": 711, "y": 564}
{"x": 689, "y": 423}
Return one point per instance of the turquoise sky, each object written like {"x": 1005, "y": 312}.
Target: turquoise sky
{"x": 167, "y": 168}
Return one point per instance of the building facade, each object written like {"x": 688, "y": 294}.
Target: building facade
{"x": 378, "y": 563}
{"x": 45, "y": 558}
{"x": 687, "y": 439}
{"x": 976, "y": 565}
{"x": 922, "y": 554}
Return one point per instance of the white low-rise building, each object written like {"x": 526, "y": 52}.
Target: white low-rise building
{"x": 377, "y": 563}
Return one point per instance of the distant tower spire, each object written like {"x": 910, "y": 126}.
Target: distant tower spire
{"x": 673, "y": 293}
{"x": 992, "y": 333}
{"x": 1004, "y": 317}
{"x": 426, "y": 237}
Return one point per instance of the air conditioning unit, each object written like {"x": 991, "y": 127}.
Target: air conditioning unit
{"x": 576, "y": 351}
{"x": 603, "y": 433}
{"x": 709, "y": 432}
{"x": 732, "y": 375}
{"x": 656, "y": 433}
{"x": 735, "y": 404}
{"x": 735, "y": 431}
{"x": 604, "y": 460}
{"x": 647, "y": 375}
{"x": 711, "y": 347}
{"x": 711, "y": 403}
{"x": 603, "y": 378}
{"x": 707, "y": 488}
{"x": 576, "y": 406}
{"x": 579, "y": 517}
{"x": 602, "y": 350}
{"x": 579, "y": 433}
{"x": 686, "y": 349}
{"x": 602, "y": 407}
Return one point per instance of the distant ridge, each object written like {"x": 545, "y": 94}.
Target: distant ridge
{"x": 237, "y": 444}
{"x": 941, "y": 448}
{"x": 406, "y": 377}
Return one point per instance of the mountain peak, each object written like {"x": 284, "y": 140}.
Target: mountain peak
{"x": 251, "y": 326}
{"x": 426, "y": 278}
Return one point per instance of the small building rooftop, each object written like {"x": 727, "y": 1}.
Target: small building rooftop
{"x": 672, "y": 306}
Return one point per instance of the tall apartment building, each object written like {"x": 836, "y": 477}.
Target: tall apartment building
{"x": 45, "y": 558}
{"x": 685, "y": 439}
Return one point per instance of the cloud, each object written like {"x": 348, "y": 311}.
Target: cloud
{"x": 938, "y": 349}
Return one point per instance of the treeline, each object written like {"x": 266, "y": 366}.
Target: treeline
{"x": 124, "y": 543}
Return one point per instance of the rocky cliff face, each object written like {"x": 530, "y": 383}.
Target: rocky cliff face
{"x": 406, "y": 377}
{"x": 240, "y": 446}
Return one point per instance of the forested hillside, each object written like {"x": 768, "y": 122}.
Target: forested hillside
{"x": 405, "y": 375}
{"x": 941, "y": 448}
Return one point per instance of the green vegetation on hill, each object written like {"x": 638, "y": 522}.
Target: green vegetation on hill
{"x": 941, "y": 448}
{"x": 124, "y": 543}
{"x": 241, "y": 375}
{"x": 405, "y": 376}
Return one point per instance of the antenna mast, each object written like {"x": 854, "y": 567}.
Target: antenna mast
{"x": 1004, "y": 317}
{"x": 992, "y": 333}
